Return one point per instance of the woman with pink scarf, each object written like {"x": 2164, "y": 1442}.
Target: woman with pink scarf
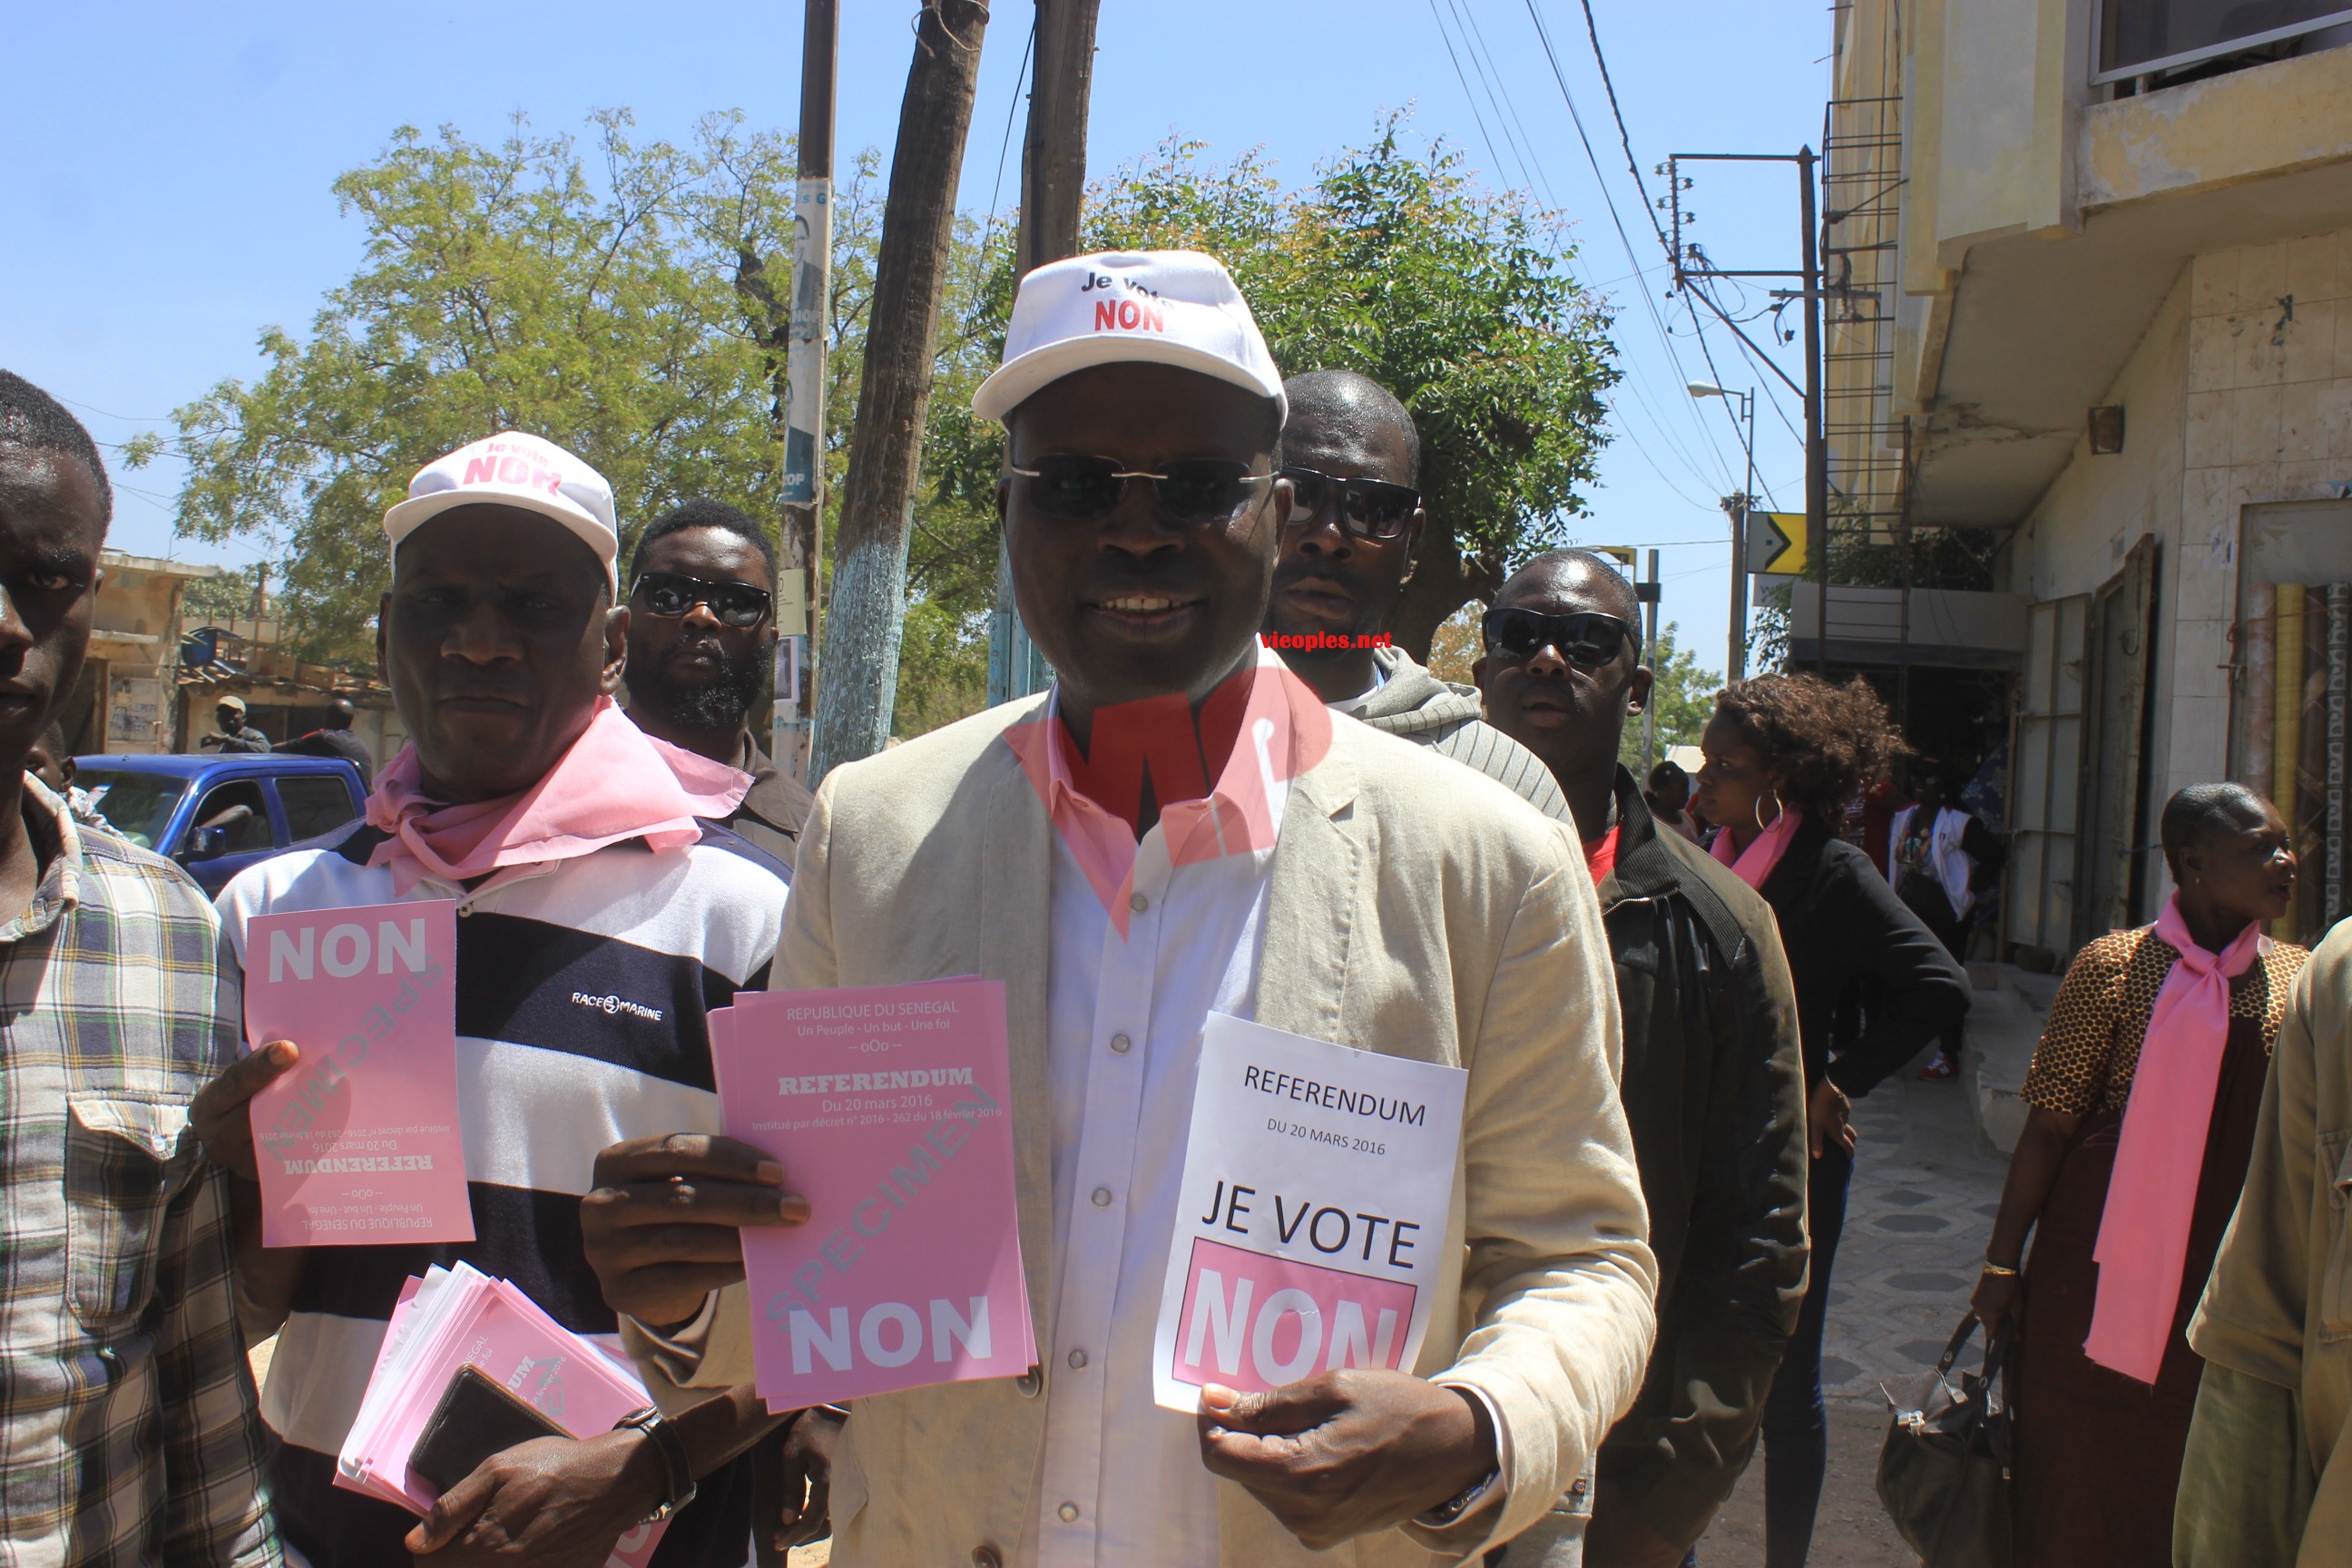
{"x": 2144, "y": 1093}
{"x": 1784, "y": 755}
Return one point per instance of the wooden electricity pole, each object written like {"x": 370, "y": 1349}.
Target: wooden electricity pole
{"x": 1053, "y": 181}
{"x": 867, "y": 611}
{"x": 811, "y": 310}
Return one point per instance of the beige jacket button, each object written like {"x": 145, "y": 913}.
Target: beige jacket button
{"x": 1030, "y": 1383}
{"x": 987, "y": 1557}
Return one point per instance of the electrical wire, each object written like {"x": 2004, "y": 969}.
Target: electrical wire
{"x": 988, "y": 227}
{"x": 1625, "y": 141}
{"x": 1507, "y": 113}
{"x": 1633, "y": 382}
{"x": 1462, "y": 76}
{"x": 1617, "y": 221}
{"x": 1507, "y": 110}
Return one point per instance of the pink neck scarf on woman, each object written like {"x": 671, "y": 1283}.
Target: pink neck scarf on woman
{"x": 2144, "y": 1229}
{"x": 616, "y": 782}
{"x": 1755, "y": 863}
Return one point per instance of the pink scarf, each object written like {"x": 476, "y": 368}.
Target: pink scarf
{"x": 1755, "y": 863}
{"x": 2144, "y": 1229}
{"x": 614, "y": 783}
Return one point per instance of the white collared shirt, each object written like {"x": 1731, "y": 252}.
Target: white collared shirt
{"x": 1120, "y": 1483}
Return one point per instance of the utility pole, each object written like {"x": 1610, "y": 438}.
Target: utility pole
{"x": 803, "y": 497}
{"x": 1053, "y": 181}
{"x": 1817, "y": 447}
{"x": 1735, "y": 645}
{"x": 867, "y": 614}
{"x": 1693, "y": 266}
{"x": 1655, "y": 590}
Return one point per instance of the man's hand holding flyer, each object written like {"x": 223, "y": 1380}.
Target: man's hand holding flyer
{"x": 358, "y": 1143}
{"x": 889, "y": 1106}
{"x": 1316, "y": 1185}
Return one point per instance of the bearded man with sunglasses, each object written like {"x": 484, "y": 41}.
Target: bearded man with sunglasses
{"x": 1352, "y": 457}
{"x": 702, "y": 641}
{"x": 1714, "y": 1079}
{"x": 1180, "y": 827}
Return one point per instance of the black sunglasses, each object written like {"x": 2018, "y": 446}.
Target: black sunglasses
{"x": 1368, "y": 508}
{"x": 1189, "y": 490}
{"x": 669, "y": 594}
{"x": 1587, "y": 639}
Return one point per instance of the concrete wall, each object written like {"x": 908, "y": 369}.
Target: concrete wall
{"x": 2260, "y": 122}
{"x": 2015, "y": 78}
{"x": 2229, "y": 401}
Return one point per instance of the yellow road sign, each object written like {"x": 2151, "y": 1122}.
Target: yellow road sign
{"x": 1776, "y": 543}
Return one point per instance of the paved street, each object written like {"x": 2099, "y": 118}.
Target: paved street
{"x": 1926, "y": 1188}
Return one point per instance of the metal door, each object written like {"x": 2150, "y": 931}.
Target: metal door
{"x": 2046, "y": 777}
{"x": 2113, "y": 870}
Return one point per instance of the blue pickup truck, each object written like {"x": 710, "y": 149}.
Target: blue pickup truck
{"x": 217, "y": 814}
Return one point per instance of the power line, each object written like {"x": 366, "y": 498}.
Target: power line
{"x": 1593, "y": 32}
{"x": 1509, "y": 112}
{"x": 1617, "y": 221}
{"x": 988, "y": 228}
{"x": 1470, "y": 97}
{"x": 1634, "y": 167}
{"x": 1633, "y": 382}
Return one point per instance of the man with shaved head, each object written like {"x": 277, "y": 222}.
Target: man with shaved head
{"x": 1713, "y": 1082}
{"x": 1353, "y": 460}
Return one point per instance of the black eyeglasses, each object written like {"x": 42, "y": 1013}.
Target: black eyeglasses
{"x": 1587, "y": 639}
{"x": 1189, "y": 490}
{"x": 1368, "y": 508}
{"x": 669, "y": 594}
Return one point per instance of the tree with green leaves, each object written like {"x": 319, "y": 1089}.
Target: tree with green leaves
{"x": 1393, "y": 262}
{"x": 613, "y": 298}
{"x": 1681, "y": 694}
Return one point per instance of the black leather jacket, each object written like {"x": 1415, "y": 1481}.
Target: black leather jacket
{"x": 1713, "y": 1089}
{"x": 1847, "y": 935}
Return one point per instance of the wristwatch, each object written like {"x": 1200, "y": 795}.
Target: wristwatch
{"x": 1454, "y": 1508}
{"x": 678, "y": 1470}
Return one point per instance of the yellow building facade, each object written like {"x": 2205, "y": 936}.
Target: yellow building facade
{"x": 2092, "y": 288}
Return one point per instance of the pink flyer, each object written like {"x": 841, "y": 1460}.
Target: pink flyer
{"x": 358, "y": 1143}
{"x": 889, "y": 1108}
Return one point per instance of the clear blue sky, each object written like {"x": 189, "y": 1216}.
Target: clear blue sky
{"x": 168, "y": 193}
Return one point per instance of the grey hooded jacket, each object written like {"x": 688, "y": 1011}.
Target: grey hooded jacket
{"x": 1418, "y": 707}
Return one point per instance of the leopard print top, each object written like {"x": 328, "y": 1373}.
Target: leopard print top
{"x": 2090, "y": 1046}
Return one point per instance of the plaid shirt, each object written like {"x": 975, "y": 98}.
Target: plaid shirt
{"x": 128, "y": 1430}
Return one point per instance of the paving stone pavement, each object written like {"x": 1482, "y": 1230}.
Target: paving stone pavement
{"x": 1926, "y": 1188}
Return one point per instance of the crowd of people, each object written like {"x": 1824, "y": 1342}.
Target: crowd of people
{"x": 1668, "y": 994}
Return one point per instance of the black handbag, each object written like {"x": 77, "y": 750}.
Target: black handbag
{"x": 1944, "y": 1472}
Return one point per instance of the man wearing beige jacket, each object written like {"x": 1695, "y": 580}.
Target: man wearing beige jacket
{"x": 1358, "y": 890}
{"x": 2267, "y": 1478}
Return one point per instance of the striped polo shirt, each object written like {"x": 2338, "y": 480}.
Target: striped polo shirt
{"x": 583, "y": 988}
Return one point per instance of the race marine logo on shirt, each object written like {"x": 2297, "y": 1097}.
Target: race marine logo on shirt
{"x": 613, "y": 1005}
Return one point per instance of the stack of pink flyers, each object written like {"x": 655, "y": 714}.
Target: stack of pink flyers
{"x": 459, "y": 1317}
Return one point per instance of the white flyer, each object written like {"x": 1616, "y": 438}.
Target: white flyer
{"x": 1311, "y": 1225}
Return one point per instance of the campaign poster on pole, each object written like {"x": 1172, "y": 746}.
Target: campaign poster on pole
{"x": 889, "y": 1109}
{"x": 358, "y": 1143}
{"x": 1310, "y": 1225}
